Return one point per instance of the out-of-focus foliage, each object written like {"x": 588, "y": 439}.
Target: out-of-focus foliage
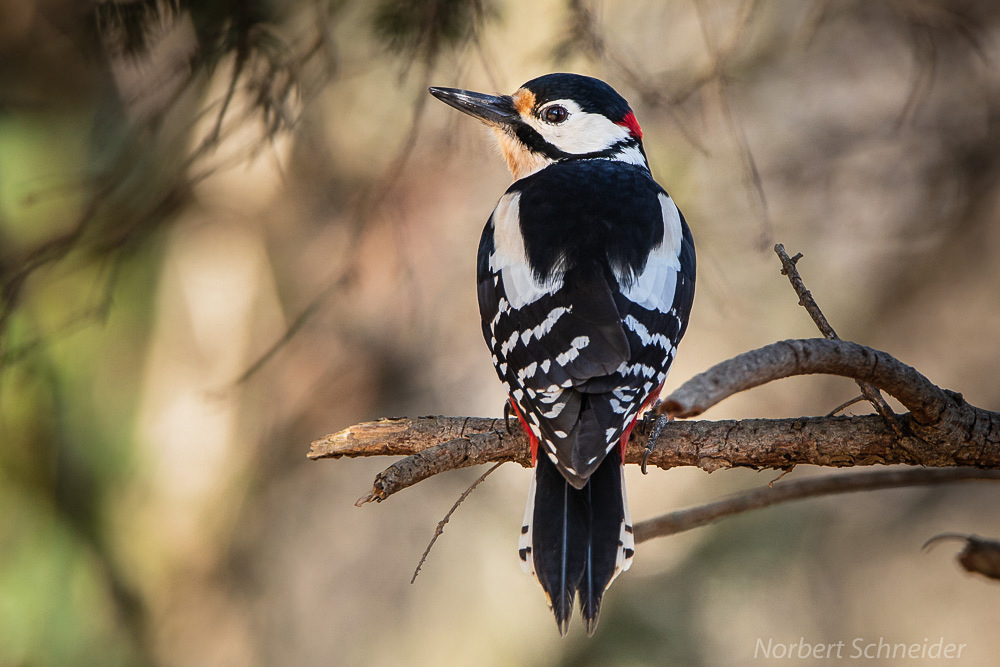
{"x": 127, "y": 28}
{"x": 422, "y": 29}
{"x": 227, "y": 228}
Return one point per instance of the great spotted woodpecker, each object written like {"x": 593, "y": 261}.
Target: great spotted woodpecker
{"x": 586, "y": 277}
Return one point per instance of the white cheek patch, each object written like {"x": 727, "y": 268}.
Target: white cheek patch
{"x": 581, "y": 132}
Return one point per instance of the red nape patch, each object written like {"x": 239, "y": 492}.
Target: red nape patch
{"x": 632, "y": 124}
{"x": 531, "y": 436}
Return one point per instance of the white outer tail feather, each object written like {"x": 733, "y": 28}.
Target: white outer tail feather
{"x": 627, "y": 538}
{"x": 524, "y": 542}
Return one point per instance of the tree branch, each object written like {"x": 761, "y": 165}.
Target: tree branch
{"x": 799, "y": 489}
{"x": 942, "y": 430}
{"x": 925, "y": 400}
{"x": 938, "y": 419}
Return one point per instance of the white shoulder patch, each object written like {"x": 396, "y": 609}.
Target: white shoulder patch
{"x": 672, "y": 233}
{"x": 654, "y": 288}
{"x": 510, "y": 259}
{"x": 508, "y": 242}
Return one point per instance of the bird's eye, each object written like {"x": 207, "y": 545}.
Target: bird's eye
{"x": 555, "y": 114}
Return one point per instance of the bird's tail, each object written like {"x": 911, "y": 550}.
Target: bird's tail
{"x": 576, "y": 541}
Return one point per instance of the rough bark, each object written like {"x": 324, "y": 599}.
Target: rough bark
{"x": 940, "y": 430}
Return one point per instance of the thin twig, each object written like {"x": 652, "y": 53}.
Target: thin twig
{"x": 809, "y": 487}
{"x": 779, "y": 477}
{"x": 845, "y": 405}
{"x": 439, "y": 530}
{"x": 790, "y": 270}
{"x": 806, "y": 300}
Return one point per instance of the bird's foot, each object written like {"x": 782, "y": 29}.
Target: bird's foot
{"x": 654, "y": 435}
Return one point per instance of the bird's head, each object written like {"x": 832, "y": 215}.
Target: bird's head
{"x": 553, "y": 118}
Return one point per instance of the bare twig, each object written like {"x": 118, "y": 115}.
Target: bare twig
{"x": 846, "y": 404}
{"x": 790, "y": 269}
{"x": 799, "y": 489}
{"x": 439, "y": 530}
{"x": 806, "y": 300}
{"x": 780, "y": 476}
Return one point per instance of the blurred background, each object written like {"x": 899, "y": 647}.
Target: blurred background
{"x": 227, "y": 229}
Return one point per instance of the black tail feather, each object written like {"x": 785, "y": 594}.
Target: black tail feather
{"x": 559, "y": 531}
{"x": 607, "y": 515}
{"x": 576, "y": 538}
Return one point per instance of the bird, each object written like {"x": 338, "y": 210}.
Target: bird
{"x": 585, "y": 278}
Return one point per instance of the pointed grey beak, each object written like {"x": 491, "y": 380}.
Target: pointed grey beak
{"x": 490, "y": 109}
